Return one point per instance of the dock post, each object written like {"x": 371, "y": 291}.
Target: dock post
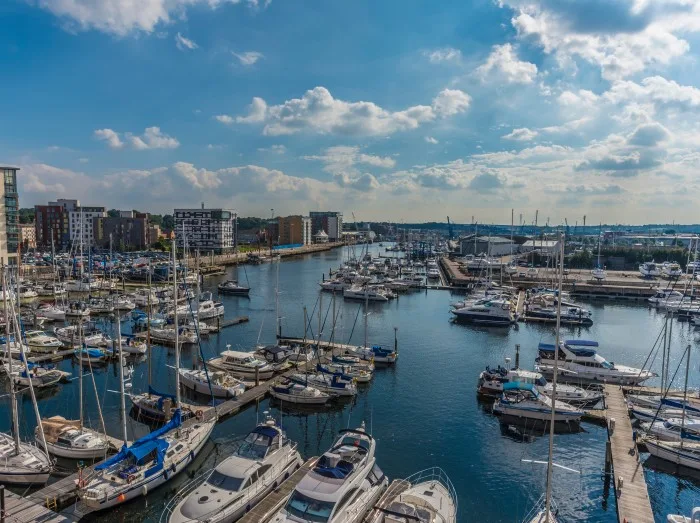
{"x": 257, "y": 376}
{"x": 2, "y": 503}
{"x": 608, "y": 459}
{"x": 517, "y": 355}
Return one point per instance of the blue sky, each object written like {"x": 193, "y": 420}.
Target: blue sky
{"x": 391, "y": 110}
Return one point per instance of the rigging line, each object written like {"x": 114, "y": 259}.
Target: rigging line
{"x": 664, "y": 394}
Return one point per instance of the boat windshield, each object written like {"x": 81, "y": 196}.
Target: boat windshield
{"x": 355, "y": 442}
{"x": 309, "y": 509}
{"x": 607, "y": 365}
{"x": 255, "y": 446}
{"x": 541, "y": 382}
{"x": 224, "y": 482}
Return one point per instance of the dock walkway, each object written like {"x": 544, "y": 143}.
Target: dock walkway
{"x": 20, "y": 509}
{"x": 269, "y": 506}
{"x": 632, "y": 496}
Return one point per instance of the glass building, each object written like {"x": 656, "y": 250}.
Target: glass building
{"x": 9, "y": 244}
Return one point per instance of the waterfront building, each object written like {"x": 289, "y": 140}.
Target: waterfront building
{"x": 543, "y": 246}
{"x": 208, "y": 230}
{"x": 128, "y": 231}
{"x": 9, "y": 221}
{"x": 493, "y": 246}
{"x": 154, "y": 234}
{"x": 27, "y": 236}
{"x": 294, "y": 230}
{"x": 80, "y": 224}
{"x": 329, "y": 221}
{"x": 51, "y": 223}
{"x": 321, "y": 237}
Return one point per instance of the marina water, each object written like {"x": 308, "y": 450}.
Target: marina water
{"x": 423, "y": 411}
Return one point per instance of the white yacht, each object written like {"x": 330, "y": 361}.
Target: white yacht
{"x": 218, "y": 383}
{"x": 522, "y": 400}
{"x": 489, "y": 312}
{"x": 209, "y": 309}
{"x": 242, "y": 365}
{"x": 579, "y": 362}
{"x": 141, "y": 298}
{"x": 428, "y": 497}
{"x": 672, "y": 428}
{"x": 299, "y": 394}
{"x": 123, "y": 303}
{"x": 665, "y": 295}
{"x": 336, "y": 285}
{"x": 68, "y": 439}
{"x": 263, "y": 461}
{"x": 343, "y": 485}
{"x": 52, "y": 312}
{"x": 39, "y": 341}
{"x": 365, "y": 292}
{"x": 328, "y": 383}
{"x": 91, "y": 336}
{"x": 671, "y": 270}
{"x": 168, "y": 335}
{"x": 491, "y": 383}
{"x": 81, "y": 285}
{"x": 101, "y": 305}
{"x": 433, "y": 273}
{"x": 649, "y": 270}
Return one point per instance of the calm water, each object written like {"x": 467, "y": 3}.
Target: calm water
{"x": 423, "y": 411}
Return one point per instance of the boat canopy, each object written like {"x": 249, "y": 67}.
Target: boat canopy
{"x": 584, "y": 353}
{"x": 581, "y": 343}
{"x": 517, "y": 385}
{"x": 161, "y": 395}
{"x": 145, "y": 447}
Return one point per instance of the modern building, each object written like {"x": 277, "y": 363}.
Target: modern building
{"x": 208, "y": 230}
{"x": 122, "y": 232}
{"x": 9, "y": 216}
{"x": 329, "y": 221}
{"x": 51, "y": 225}
{"x": 154, "y": 234}
{"x": 294, "y": 230}
{"x": 491, "y": 246}
{"x": 27, "y": 236}
{"x": 80, "y": 224}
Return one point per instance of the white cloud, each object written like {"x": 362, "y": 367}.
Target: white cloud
{"x": 343, "y": 158}
{"x": 184, "y": 44}
{"x": 83, "y": 160}
{"x": 656, "y": 91}
{"x": 121, "y": 17}
{"x": 580, "y": 99}
{"x": 109, "y": 136}
{"x": 622, "y": 38}
{"x": 364, "y": 183}
{"x": 276, "y": 149}
{"x": 431, "y": 140}
{"x": 523, "y": 134}
{"x": 503, "y": 64}
{"x": 224, "y": 118}
{"x": 152, "y": 138}
{"x": 317, "y": 111}
{"x": 248, "y": 57}
{"x": 445, "y": 54}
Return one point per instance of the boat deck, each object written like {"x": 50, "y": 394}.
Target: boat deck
{"x": 632, "y": 498}
{"x": 397, "y": 487}
{"x": 269, "y": 506}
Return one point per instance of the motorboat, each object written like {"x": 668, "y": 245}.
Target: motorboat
{"x": 333, "y": 384}
{"x": 343, "y": 485}
{"x": 679, "y": 518}
{"x": 242, "y": 365}
{"x": 40, "y": 377}
{"x": 68, "y": 439}
{"x": 217, "y": 383}
{"x": 52, "y": 312}
{"x": 233, "y": 288}
{"x": 39, "y": 341}
{"x": 168, "y": 334}
{"x": 145, "y": 464}
{"x": 671, "y": 270}
{"x": 360, "y": 375}
{"x": 101, "y": 306}
{"x": 279, "y": 356}
{"x": 336, "y": 285}
{"x": 91, "y": 355}
{"x": 366, "y": 292}
{"x": 523, "y": 400}
{"x": 491, "y": 383}
{"x": 579, "y": 362}
{"x": 130, "y": 345}
{"x": 433, "y": 273}
{"x": 376, "y": 354}
{"x": 298, "y": 393}
{"x": 81, "y": 285}
{"x": 260, "y": 464}
{"x": 427, "y": 496}
{"x": 569, "y": 315}
{"x": 209, "y": 309}
{"x": 649, "y": 270}
{"x": 673, "y": 429}
{"x": 490, "y": 312}
{"x": 145, "y": 297}
{"x": 157, "y": 407}
{"x": 91, "y": 335}
{"x": 665, "y": 295}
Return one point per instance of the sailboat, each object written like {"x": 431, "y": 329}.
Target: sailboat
{"x": 599, "y": 273}
{"x": 512, "y": 267}
{"x": 70, "y": 438}
{"x": 149, "y": 461}
{"x": 22, "y": 463}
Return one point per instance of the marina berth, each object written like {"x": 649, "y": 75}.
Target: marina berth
{"x": 343, "y": 485}
{"x": 520, "y": 400}
{"x": 579, "y": 362}
{"x": 258, "y": 465}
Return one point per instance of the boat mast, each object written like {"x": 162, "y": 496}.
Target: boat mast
{"x": 8, "y": 351}
{"x": 177, "y": 328}
{"x": 550, "y": 462}
{"x": 148, "y": 323}
{"x": 79, "y": 327}
{"x": 366, "y": 313}
{"x": 277, "y": 302}
{"x": 685, "y": 393}
{"x": 120, "y": 364}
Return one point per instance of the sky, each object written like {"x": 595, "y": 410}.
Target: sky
{"x": 389, "y": 110}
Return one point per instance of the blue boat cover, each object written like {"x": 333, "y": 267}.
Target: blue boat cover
{"x": 516, "y": 385}
{"x": 582, "y": 343}
{"x": 141, "y": 448}
{"x": 320, "y": 368}
{"x": 93, "y": 353}
{"x": 266, "y": 431}
{"x": 546, "y": 347}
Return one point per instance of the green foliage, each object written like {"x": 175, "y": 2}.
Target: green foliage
{"x": 245, "y": 224}
{"x": 26, "y": 215}
{"x": 156, "y": 219}
{"x": 168, "y": 222}
{"x": 113, "y": 213}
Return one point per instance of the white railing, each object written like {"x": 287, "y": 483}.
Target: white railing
{"x": 437, "y": 475}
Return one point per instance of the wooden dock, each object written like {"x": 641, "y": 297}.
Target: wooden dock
{"x": 630, "y": 486}
{"x": 395, "y": 489}
{"x": 267, "y": 508}
{"x": 520, "y": 304}
{"x": 25, "y": 509}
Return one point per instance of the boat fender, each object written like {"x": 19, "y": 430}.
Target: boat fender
{"x": 144, "y": 490}
{"x": 286, "y": 475}
{"x": 165, "y": 475}
{"x": 198, "y": 415}
{"x": 191, "y": 455}
{"x": 173, "y": 468}
{"x": 247, "y": 508}
{"x": 275, "y": 485}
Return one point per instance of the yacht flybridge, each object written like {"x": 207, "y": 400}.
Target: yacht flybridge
{"x": 578, "y": 361}
{"x": 343, "y": 485}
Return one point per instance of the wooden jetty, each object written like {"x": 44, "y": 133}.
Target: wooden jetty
{"x": 263, "y": 511}
{"x": 520, "y": 304}
{"x": 621, "y": 454}
{"x": 25, "y": 509}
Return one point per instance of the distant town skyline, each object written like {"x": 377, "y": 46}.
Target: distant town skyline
{"x": 394, "y": 111}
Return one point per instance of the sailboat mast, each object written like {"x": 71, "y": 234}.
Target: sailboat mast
{"x": 79, "y": 327}
{"x": 685, "y": 392}
{"x": 148, "y": 323}
{"x": 366, "y": 307}
{"x": 8, "y": 345}
{"x": 550, "y": 461}
{"x": 177, "y": 329}
{"x": 277, "y": 302}
{"x": 120, "y": 364}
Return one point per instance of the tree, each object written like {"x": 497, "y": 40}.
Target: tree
{"x": 156, "y": 219}
{"x": 168, "y": 222}
{"x": 113, "y": 213}
{"x": 26, "y": 215}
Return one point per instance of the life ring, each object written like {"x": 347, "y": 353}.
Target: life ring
{"x": 199, "y": 414}
{"x": 130, "y": 479}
